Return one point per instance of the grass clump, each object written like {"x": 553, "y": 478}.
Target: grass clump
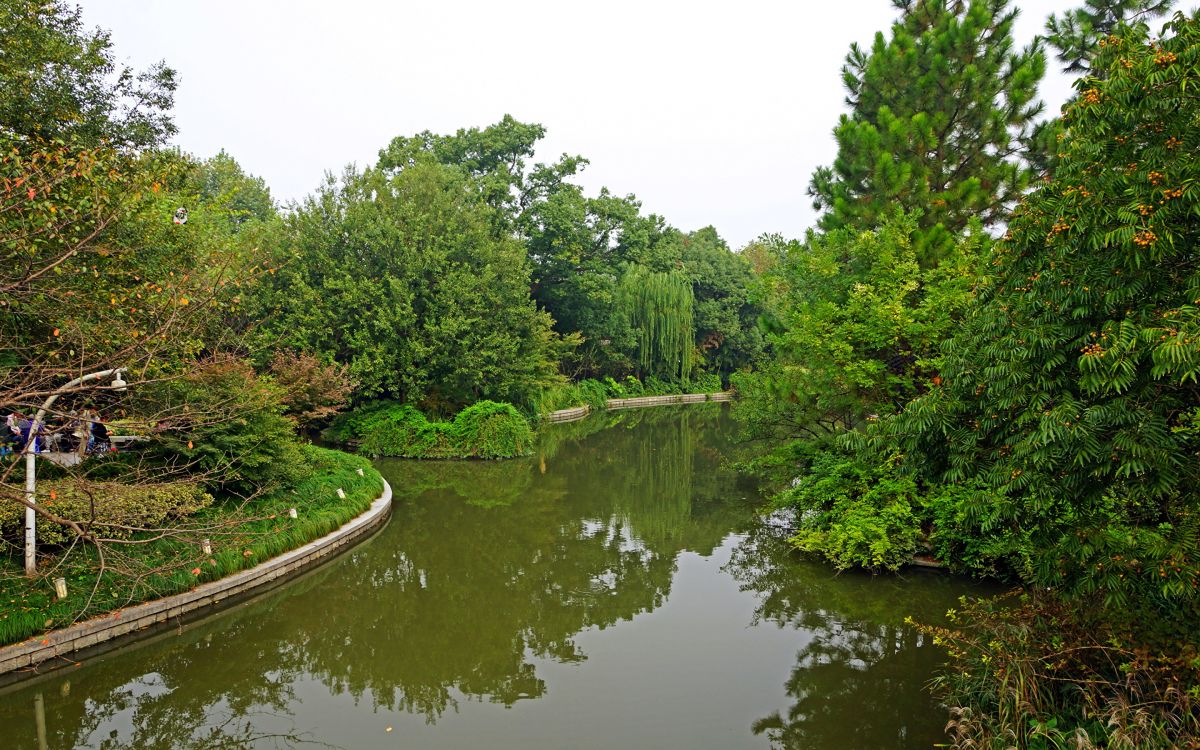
{"x": 486, "y": 429}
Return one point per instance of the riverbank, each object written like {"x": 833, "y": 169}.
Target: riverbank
{"x": 241, "y": 540}
{"x": 612, "y": 404}
{"x": 578, "y": 595}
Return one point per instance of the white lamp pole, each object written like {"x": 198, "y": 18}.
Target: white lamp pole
{"x": 31, "y": 459}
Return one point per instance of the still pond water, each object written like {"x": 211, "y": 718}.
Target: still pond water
{"x": 617, "y": 590}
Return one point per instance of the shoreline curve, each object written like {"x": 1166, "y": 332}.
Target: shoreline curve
{"x": 58, "y": 644}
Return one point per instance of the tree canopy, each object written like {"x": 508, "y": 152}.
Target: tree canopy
{"x": 939, "y": 112}
{"x": 59, "y": 81}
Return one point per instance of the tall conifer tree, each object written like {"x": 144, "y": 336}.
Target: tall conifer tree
{"x": 938, "y": 115}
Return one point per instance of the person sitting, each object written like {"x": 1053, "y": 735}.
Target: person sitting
{"x": 99, "y": 439}
{"x": 26, "y": 425}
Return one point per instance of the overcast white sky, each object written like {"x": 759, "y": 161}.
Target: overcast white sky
{"x": 712, "y": 113}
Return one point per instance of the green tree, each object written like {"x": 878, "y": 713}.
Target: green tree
{"x": 579, "y": 245}
{"x": 400, "y": 276}
{"x": 221, "y": 181}
{"x": 59, "y": 81}
{"x": 1072, "y": 390}
{"x": 939, "y": 113}
{"x": 726, "y": 318}
{"x": 494, "y": 158}
{"x": 659, "y": 306}
{"x": 1077, "y": 34}
{"x": 854, "y": 324}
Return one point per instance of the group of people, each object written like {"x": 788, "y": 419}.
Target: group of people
{"x": 76, "y": 432}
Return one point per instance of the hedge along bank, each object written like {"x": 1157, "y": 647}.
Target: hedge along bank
{"x": 486, "y": 429}
{"x": 30, "y": 607}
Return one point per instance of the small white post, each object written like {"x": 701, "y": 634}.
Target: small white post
{"x": 60, "y": 588}
{"x": 206, "y": 545}
{"x": 292, "y": 513}
{"x": 341, "y": 493}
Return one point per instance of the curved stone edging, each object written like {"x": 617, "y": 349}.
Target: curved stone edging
{"x": 612, "y": 404}
{"x": 99, "y": 629}
{"x": 678, "y": 398}
{"x": 569, "y": 415}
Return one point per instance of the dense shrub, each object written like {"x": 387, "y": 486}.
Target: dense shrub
{"x": 705, "y": 382}
{"x": 633, "y": 387}
{"x": 1035, "y": 672}
{"x": 855, "y": 513}
{"x": 313, "y": 391}
{"x": 225, "y": 425}
{"x": 483, "y": 430}
{"x": 588, "y": 392}
{"x": 108, "y": 509}
{"x": 491, "y": 430}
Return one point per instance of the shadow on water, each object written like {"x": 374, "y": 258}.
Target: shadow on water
{"x": 534, "y": 585}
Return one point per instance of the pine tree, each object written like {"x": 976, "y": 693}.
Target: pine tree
{"x": 938, "y": 115}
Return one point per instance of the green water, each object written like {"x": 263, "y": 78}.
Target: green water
{"x": 615, "y": 591}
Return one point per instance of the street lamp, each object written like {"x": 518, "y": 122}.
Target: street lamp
{"x": 118, "y": 385}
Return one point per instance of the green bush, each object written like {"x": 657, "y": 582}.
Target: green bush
{"x": 588, "y": 392}
{"x": 971, "y": 541}
{"x": 483, "y": 430}
{"x": 614, "y": 389}
{"x": 224, "y": 422}
{"x": 633, "y": 387}
{"x": 491, "y": 430}
{"x": 96, "y": 505}
{"x": 855, "y": 513}
{"x": 706, "y": 382}
{"x": 657, "y": 387}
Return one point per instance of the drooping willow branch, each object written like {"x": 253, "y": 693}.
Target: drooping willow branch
{"x": 659, "y": 307}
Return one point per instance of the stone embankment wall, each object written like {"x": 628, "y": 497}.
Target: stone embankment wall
{"x": 579, "y": 412}
{"x": 60, "y": 643}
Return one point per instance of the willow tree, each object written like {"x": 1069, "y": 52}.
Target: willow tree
{"x": 658, "y": 306}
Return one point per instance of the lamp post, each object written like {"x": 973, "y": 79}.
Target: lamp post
{"x": 119, "y": 385}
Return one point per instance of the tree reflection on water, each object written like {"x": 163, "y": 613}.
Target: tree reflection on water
{"x": 860, "y": 681}
{"x": 486, "y": 572}
{"x": 484, "y": 567}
